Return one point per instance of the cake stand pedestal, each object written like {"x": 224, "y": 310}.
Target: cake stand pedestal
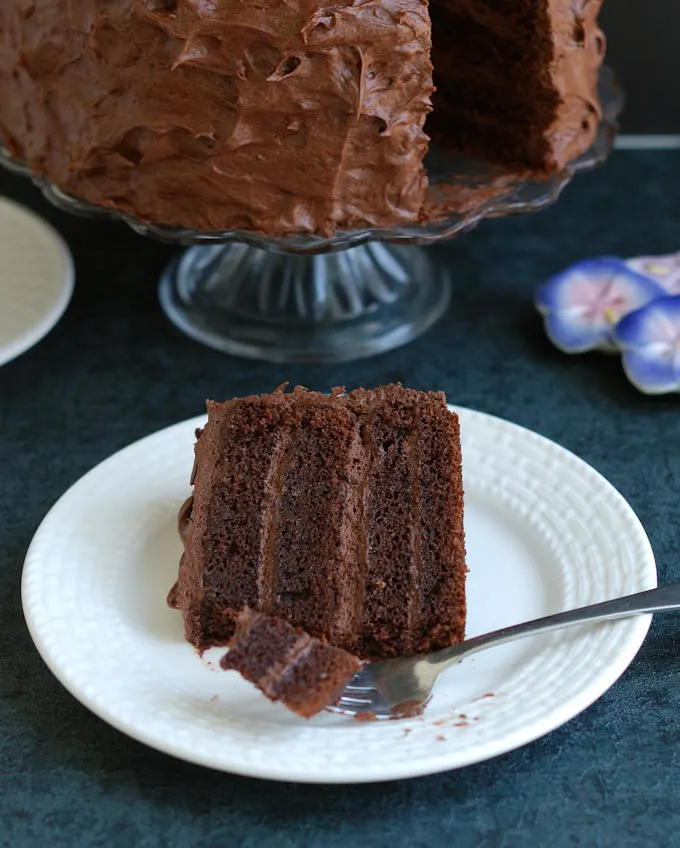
{"x": 349, "y": 296}
{"x": 327, "y": 307}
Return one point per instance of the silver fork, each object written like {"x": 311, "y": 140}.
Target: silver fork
{"x": 401, "y": 687}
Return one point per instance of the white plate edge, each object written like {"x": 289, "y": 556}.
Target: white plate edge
{"x": 50, "y": 319}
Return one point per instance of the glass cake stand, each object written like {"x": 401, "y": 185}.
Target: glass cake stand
{"x": 309, "y": 298}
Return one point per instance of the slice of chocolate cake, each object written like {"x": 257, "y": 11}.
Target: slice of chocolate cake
{"x": 287, "y": 664}
{"x": 341, "y": 513}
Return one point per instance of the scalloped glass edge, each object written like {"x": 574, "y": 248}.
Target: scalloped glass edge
{"x": 524, "y": 195}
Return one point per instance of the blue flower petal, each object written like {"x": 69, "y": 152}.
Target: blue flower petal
{"x": 664, "y": 270}
{"x": 650, "y": 340}
{"x": 553, "y": 294}
{"x": 654, "y": 323}
{"x": 651, "y": 374}
{"x": 573, "y": 336}
{"x": 550, "y": 295}
{"x": 581, "y": 304}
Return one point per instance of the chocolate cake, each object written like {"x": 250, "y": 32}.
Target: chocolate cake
{"x": 301, "y": 116}
{"x": 287, "y": 664}
{"x": 524, "y": 75}
{"x": 341, "y": 513}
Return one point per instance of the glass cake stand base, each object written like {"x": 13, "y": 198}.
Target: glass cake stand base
{"x": 280, "y": 307}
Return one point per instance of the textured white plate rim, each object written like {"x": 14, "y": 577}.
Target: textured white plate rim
{"x": 592, "y": 688}
{"x": 30, "y": 336}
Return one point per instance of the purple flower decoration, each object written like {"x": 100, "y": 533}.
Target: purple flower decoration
{"x": 582, "y": 304}
{"x": 650, "y": 341}
{"x": 664, "y": 270}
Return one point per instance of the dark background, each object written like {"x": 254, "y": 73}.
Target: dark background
{"x": 643, "y": 49}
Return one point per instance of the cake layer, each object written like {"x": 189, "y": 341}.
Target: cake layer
{"x": 290, "y": 116}
{"x": 341, "y": 514}
{"x": 287, "y": 664}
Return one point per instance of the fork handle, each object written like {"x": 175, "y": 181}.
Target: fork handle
{"x": 665, "y": 599}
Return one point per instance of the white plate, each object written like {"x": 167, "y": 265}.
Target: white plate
{"x": 36, "y": 279}
{"x": 545, "y": 533}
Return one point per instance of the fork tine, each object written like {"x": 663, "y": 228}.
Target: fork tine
{"x": 351, "y": 688}
{"x": 354, "y": 710}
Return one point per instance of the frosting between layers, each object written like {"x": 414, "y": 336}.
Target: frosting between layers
{"x": 290, "y": 116}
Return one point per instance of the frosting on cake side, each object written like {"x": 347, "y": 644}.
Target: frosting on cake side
{"x": 290, "y": 116}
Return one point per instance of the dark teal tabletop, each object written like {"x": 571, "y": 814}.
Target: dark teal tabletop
{"x": 115, "y": 369}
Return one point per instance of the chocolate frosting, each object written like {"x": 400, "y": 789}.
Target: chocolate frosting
{"x": 294, "y": 116}
{"x": 579, "y": 46}
{"x": 183, "y": 528}
{"x": 288, "y": 116}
